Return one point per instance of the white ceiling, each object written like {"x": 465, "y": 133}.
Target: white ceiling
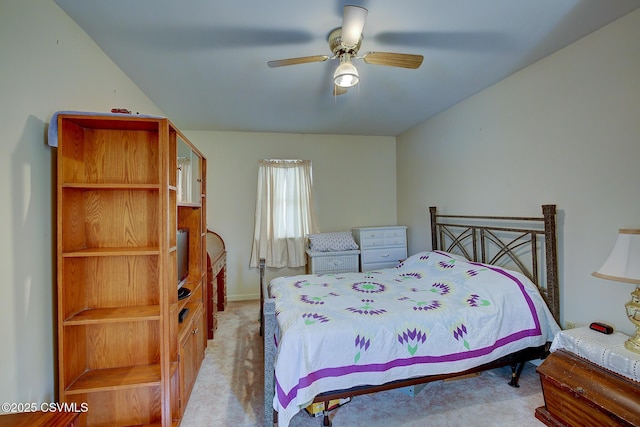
{"x": 204, "y": 62}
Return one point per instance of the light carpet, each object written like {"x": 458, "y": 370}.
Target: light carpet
{"x": 228, "y": 390}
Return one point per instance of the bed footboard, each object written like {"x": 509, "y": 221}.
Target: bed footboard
{"x": 268, "y": 329}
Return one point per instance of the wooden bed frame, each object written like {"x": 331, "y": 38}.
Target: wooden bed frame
{"x": 513, "y": 242}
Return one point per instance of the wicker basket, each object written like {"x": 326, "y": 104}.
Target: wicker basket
{"x": 332, "y": 262}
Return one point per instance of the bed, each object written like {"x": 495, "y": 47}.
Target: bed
{"x": 485, "y": 296}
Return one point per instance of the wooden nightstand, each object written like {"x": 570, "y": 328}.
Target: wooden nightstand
{"x": 581, "y": 386}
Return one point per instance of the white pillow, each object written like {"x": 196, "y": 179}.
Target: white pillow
{"x": 332, "y": 242}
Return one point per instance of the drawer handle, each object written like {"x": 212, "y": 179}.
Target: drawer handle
{"x": 385, "y": 256}
{"x": 580, "y": 390}
{"x": 195, "y": 331}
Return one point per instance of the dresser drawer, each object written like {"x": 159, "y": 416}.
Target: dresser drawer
{"x": 380, "y": 237}
{"x": 379, "y": 266}
{"x": 384, "y": 255}
{"x": 382, "y": 242}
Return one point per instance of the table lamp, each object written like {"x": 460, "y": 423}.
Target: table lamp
{"x": 623, "y": 265}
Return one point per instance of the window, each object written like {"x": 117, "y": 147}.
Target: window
{"x": 284, "y": 213}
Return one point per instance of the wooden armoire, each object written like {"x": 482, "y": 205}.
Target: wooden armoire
{"x": 125, "y": 184}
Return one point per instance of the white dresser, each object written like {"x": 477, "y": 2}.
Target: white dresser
{"x": 381, "y": 247}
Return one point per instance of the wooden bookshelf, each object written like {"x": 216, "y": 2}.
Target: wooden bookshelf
{"x": 119, "y": 204}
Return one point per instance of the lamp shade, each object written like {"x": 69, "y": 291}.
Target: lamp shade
{"x": 623, "y": 264}
{"x": 346, "y": 75}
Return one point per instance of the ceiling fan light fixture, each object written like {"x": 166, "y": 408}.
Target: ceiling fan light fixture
{"x": 346, "y": 75}
{"x": 344, "y": 43}
{"x": 353, "y": 21}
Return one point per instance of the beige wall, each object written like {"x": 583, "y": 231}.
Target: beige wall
{"x": 565, "y": 130}
{"x": 354, "y": 181}
{"x": 48, "y": 64}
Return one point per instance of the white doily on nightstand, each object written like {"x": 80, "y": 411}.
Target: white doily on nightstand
{"x": 604, "y": 350}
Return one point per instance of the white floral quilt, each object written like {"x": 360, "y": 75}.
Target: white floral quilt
{"x": 433, "y": 314}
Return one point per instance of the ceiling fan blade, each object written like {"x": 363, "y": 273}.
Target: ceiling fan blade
{"x": 338, "y": 90}
{"x": 404, "y": 60}
{"x": 296, "y": 61}
{"x": 353, "y": 21}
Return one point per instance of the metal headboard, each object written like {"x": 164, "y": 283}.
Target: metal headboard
{"x": 513, "y": 242}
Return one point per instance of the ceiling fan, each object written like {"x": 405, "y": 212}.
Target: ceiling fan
{"x": 344, "y": 43}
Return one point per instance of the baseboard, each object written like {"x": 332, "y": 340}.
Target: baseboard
{"x": 243, "y": 297}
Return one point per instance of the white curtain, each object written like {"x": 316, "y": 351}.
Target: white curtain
{"x": 285, "y": 213}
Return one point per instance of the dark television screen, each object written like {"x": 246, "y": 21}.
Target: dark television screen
{"x": 182, "y": 243}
